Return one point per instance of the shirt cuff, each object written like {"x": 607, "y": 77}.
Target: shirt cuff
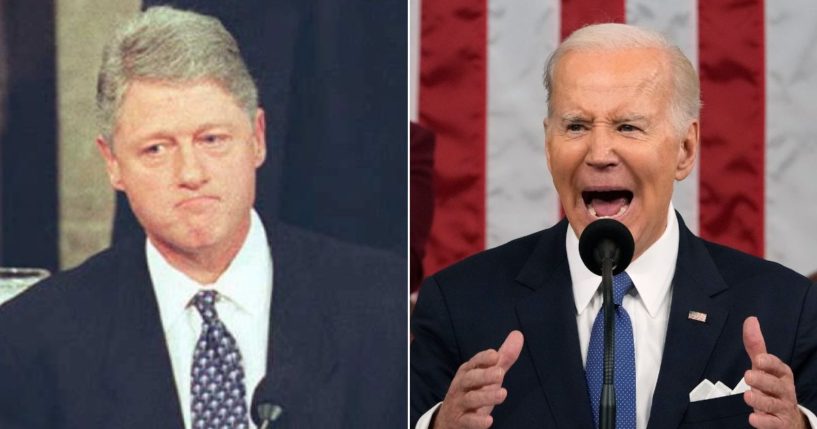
{"x": 425, "y": 420}
{"x": 812, "y": 419}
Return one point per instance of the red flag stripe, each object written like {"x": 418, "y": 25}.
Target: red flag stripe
{"x": 731, "y": 55}
{"x": 578, "y": 13}
{"x": 453, "y": 66}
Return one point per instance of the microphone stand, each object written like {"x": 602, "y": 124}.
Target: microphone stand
{"x": 607, "y": 405}
{"x": 606, "y": 245}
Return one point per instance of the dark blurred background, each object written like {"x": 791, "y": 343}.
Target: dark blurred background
{"x": 332, "y": 79}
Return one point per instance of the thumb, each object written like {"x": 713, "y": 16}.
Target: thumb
{"x": 510, "y": 349}
{"x": 753, "y": 338}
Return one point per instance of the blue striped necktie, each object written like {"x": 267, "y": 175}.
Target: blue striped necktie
{"x": 624, "y": 359}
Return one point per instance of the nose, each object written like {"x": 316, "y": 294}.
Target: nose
{"x": 601, "y": 150}
{"x": 191, "y": 172}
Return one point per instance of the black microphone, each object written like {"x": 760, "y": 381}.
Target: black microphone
{"x": 603, "y": 239}
{"x": 264, "y": 409}
{"x": 606, "y": 247}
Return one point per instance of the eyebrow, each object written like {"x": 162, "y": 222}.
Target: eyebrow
{"x": 631, "y": 118}
{"x": 164, "y": 135}
{"x": 152, "y": 136}
{"x": 574, "y": 117}
{"x": 210, "y": 125}
{"x": 578, "y": 117}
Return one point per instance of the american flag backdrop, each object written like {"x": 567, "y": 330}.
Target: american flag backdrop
{"x": 476, "y": 70}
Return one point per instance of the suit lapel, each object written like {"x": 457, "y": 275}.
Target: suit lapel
{"x": 548, "y": 320}
{"x": 301, "y": 349}
{"x": 697, "y": 286}
{"x": 137, "y": 366}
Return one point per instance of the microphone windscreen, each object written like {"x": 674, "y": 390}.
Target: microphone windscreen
{"x": 261, "y": 396}
{"x": 265, "y": 408}
{"x": 611, "y": 231}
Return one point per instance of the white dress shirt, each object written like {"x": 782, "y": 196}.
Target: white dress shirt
{"x": 245, "y": 293}
{"x": 647, "y": 304}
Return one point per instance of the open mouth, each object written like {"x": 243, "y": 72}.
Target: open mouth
{"x": 607, "y": 203}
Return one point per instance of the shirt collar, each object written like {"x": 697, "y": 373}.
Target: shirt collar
{"x": 247, "y": 276}
{"x": 651, "y": 272}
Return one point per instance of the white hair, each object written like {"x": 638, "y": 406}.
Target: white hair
{"x": 685, "y": 101}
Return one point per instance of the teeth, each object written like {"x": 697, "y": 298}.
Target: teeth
{"x": 621, "y": 211}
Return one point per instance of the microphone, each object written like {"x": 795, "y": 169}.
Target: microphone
{"x": 606, "y": 247}
{"x": 606, "y": 239}
{"x": 263, "y": 409}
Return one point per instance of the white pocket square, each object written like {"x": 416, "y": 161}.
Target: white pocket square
{"x": 707, "y": 390}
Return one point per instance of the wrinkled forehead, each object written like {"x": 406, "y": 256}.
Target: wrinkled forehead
{"x": 624, "y": 67}
{"x": 631, "y": 72}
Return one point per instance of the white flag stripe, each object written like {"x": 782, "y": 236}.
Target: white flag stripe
{"x": 414, "y": 59}
{"x": 519, "y": 191}
{"x": 678, "y": 21}
{"x": 791, "y": 134}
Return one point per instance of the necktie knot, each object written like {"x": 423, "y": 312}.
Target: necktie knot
{"x": 621, "y": 285}
{"x": 205, "y": 303}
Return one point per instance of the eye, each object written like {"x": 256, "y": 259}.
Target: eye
{"x": 628, "y": 128}
{"x": 154, "y": 149}
{"x": 575, "y": 127}
{"x": 213, "y": 139}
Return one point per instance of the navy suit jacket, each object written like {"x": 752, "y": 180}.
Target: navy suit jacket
{"x": 526, "y": 285}
{"x": 85, "y": 348}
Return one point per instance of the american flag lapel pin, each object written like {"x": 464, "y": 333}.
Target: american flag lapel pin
{"x": 697, "y": 316}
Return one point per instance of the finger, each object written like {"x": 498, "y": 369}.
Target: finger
{"x": 760, "y": 401}
{"x": 761, "y": 420}
{"x": 475, "y": 421}
{"x": 479, "y": 377}
{"x": 753, "y": 338}
{"x": 510, "y": 349}
{"x": 486, "y": 410}
{"x": 483, "y": 359}
{"x": 770, "y": 385}
{"x": 480, "y": 399}
{"x": 773, "y": 365}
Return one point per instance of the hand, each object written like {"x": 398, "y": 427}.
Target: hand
{"x": 772, "y": 395}
{"x": 477, "y": 387}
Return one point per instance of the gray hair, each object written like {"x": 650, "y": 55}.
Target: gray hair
{"x": 172, "y": 45}
{"x": 685, "y": 104}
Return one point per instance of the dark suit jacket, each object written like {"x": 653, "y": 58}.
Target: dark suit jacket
{"x": 526, "y": 285}
{"x": 85, "y": 349}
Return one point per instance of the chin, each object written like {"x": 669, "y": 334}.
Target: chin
{"x": 195, "y": 239}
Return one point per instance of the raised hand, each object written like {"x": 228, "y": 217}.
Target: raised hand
{"x": 772, "y": 396}
{"x": 477, "y": 387}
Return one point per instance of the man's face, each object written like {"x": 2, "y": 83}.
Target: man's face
{"x": 185, "y": 155}
{"x": 612, "y": 148}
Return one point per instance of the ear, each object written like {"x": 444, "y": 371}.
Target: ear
{"x": 111, "y": 163}
{"x": 547, "y": 142}
{"x": 260, "y": 137}
{"x": 688, "y": 151}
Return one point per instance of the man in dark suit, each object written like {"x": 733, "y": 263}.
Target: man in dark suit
{"x": 622, "y": 126}
{"x": 176, "y": 327}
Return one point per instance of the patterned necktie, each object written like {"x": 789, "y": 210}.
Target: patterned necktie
{"x": 624, "y": 359}
{"x": 217, "y": 385}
